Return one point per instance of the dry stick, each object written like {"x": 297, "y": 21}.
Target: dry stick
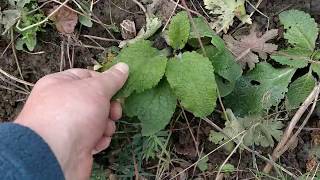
{"x": 13, "y": 84}
{"x": 174, "y": 9}
{"x": 276, "y": 153}
{"x": 229, "y": 156}
{"x": 10, "y": 89}
{"x": 294, "y": 137}
{"x": 184, "y": 8}
{"x": 15, "y": 56}
{"x": 248, "y": 149}
{"x": 14, "y": 78}
{"x": 101, "y": 38}
{"x": 192, "y": 135}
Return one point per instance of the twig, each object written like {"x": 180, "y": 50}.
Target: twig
{"x": 205, "y": 156}
{"x": 174, "y": 9}
{"x": 15, "y": 79}
{"x": 194, "y": 27}
{"x": 196, "y": 144}
{"x": 288, "y": 133}
{"x": 101, "y": 38}
{"x": 62, "y": 58}
{"x": 229, "y": 156}
{"x": 15, "y": 56}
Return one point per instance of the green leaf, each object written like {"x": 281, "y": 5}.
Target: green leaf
{"x": 299, "y": 90}
{"x": 192, "y": 79}
{"x": 31, "y": 42}
{"x": 223, "y": 63}
{"x": 301, "y": 29}
{"x": 154, "y": 108}
{"x": 260, "y": 89}
{"x": 146, "y": 64}
{"x": 225, "y": 67}
{"x": 225, "y": 87}
{"x": 259, "y": 131}
{"x": 86, "y": 21}
{"x": 203, "y": 164}
{"x": 228, "y": 168}
{"x": 216, "y": 137}
{"x": 179, "y": 30}
{"x": 316, "y": 68}
{"x": 204, "y": 30}
{"x": 294, "y": 57}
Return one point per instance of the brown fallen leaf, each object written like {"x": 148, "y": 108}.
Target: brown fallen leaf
{"x": 64, "y": 19}
{"x": 128, "y": 29}
{"x": 245, "y": 47}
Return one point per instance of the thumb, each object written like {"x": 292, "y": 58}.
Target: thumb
{"x": 113, "y": 79}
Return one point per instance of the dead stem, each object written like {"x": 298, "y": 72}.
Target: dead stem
{"x": 15, "y": 79}
{"x": 283, "y": 144}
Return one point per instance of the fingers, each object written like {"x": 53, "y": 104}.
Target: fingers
{"x": 110, "y": 128}
{"x": 105, "y": 141}
{"x": 102, "y": 144}
{"x": 115, "y": 110}
{"x": 111, "y": 80}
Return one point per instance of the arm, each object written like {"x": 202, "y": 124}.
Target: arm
{"x": 25, "y": 155}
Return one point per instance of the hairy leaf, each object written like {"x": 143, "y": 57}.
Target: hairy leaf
{"x": 260, "y": 89}
{"x": 226, "y": 11}
{"x": 192, "y": 79}
{"x": 153, "y": 107}
{"x": 147, "y": 66}
{"x": 225, "y": 87}
{"x": 299, "y": 90}
{"x": 294, "y": 57}
{"x": 244, "y": 47}
{"x": 301, "y": 29}
{"x": 179, "y": 30}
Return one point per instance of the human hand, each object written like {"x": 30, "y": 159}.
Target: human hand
{"x": 73, "y": 112}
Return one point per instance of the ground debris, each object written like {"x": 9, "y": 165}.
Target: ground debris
{"x": 65, "y": 19}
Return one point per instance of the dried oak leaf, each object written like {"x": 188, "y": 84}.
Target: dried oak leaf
{"x": 64, "y": 19}
{"x": 245, "y": 47}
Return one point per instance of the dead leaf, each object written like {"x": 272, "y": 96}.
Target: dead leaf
{"x": 128, "y": 29}
{"x": 245, "y": 47}
{"x": 64, "y": 19}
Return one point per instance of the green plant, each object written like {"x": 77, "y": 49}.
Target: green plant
{"x": 266, "y": 86}
{"x": 23, "y": 13}
{"x": 156, "y": 82}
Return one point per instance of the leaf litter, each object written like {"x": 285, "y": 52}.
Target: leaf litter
{"x": 65, "y": 19}
{"x": 245, "y": 47}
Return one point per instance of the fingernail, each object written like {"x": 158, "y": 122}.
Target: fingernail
{"x": 123, "y": 67}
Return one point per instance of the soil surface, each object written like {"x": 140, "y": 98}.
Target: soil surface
{"x": 48, "y": 57}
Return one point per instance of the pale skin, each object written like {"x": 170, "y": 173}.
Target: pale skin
{"x": 74, "y": 113}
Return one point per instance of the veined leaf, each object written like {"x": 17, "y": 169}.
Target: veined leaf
{"x": 179, "y": 30}
{"x": 147, "y": 66}
{"x": 301, "y": 29}
{"x": 192, "y": 79}
{"x": 153, "y": 107}
{"x": 260, "y": 89}
{"x": 293, "y": 57}
{"x": 299, "y": 90}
